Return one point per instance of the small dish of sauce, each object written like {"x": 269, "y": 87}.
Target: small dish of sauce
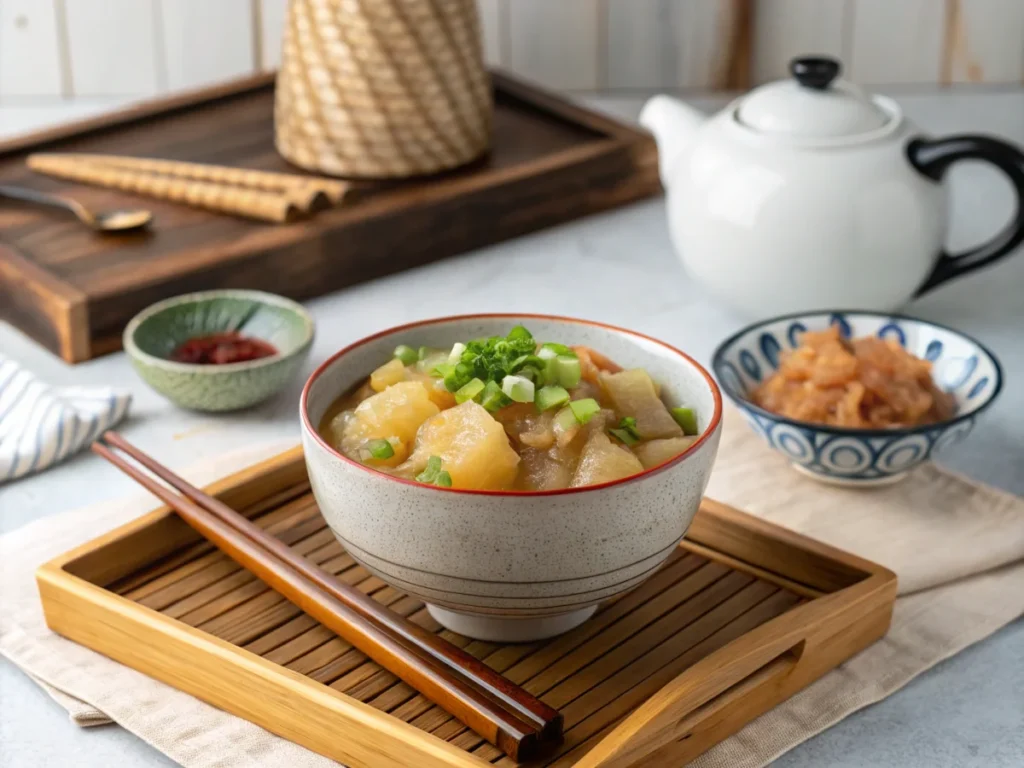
{"x": 222, "y": 349}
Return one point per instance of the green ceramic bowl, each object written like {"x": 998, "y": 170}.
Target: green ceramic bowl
{"x": 153, "y": 334}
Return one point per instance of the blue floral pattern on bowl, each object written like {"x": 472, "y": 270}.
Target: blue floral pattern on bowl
{"x": 859, "y": 457}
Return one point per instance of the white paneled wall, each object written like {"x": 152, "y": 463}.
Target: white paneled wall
{"x": 670, "y": 43}
{"x": 112, "y": 47}
{"x": 554, "y": 42}
{"x": 205, "y": 40}
{"x": 30, "y": 49}
{"x": 899, "y": 42}
{"x": 53, "y": 48}
{"x": 269, "y": 18}
{"x": 787, "y": 26}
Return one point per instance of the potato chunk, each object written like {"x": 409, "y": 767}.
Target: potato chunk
{"x": 542, "y": 471}
{"x": 525, "y": 426}
{"x": 656, "y": 452}
{"x": 472, "y": 446}
{"x": 634, "y": 394}
{"x": 602, "y": 461}
{"x": 435, "y": 389}
{"x": 390, "y": 373}
{"x": 394, "y": 414}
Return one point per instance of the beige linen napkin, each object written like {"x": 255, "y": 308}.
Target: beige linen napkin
{"x": 957, "y": 547}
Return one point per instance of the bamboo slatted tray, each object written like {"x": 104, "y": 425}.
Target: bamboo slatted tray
{"x": 740, "y": 618}
{"x": 74, "y": 290}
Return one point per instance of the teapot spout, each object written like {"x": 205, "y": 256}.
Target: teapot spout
{"x": 674, "y": 125}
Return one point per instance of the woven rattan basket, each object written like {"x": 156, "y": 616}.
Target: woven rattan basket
{"x": 382, "y": 88}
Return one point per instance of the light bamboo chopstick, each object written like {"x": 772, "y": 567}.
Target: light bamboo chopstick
{"x": 276, "y": 207}
{"x": 504, "y": 714}
{"x": 332, "y": 190}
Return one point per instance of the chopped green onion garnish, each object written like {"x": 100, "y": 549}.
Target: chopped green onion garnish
{"x": 557, "y": 349}
{"x": 469, "y": 391}
{"x": 434, "y": 475}
{"x": 687, "y": 419}
{"x": 456, "y": 376}
{"x": 406, "y": 354}
{"x": 567, "y": 371}
{"x": 625, "y": 436}
{"x": 523, "y": 361}
{"x": 433, "y": 358}
{"x": 551, "y": 397}
{"x": 424, "y": 352}
{"x": 432, "y": 471}
{"x": 566, "y": 420}
{"x": 628, "y": 423}
{"x": 585, "y": 409}
{"x": 547, "y": 353}
{"x": 550, "y": 373}
{"x": 456, "y": 354}
{"x": 519, "y": 334}
{"x": 493, "y": 399}
{"x": 380, "y": 449}
{"x": 441, "y": 370}
{"x": 519, "y": 388}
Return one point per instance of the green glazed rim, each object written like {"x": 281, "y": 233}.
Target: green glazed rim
{"x": 261, "y": 297}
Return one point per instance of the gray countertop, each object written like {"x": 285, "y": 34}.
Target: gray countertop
{"x": 619, "y": 268}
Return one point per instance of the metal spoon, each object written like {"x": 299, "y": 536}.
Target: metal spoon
{"x": 106, "y": 221}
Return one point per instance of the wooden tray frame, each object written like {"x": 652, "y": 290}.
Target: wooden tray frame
{"x": 616, "y": 165}
{"x": 848, "y": 605}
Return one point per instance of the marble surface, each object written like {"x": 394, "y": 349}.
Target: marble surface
{"x": 619, "y": 268}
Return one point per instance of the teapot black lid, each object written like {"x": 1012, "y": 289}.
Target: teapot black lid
{"x": 816, "y": 72}
{"x": 814, "y": 105}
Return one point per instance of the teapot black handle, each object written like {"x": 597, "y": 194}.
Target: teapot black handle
{"x": 932, "y": 157}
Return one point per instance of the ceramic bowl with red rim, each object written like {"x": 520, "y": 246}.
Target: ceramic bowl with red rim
{"x": 512, "y": 565}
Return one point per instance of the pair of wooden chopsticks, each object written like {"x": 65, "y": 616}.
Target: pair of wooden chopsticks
{"x": 504, "y": 714}
{"x": 263, "y": 195}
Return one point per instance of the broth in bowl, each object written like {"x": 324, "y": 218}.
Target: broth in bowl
{"x": 508, "y": 413}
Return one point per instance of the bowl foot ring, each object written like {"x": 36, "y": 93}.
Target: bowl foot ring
{"x": 502, "y": 629}
{"x": 849, "y": 482}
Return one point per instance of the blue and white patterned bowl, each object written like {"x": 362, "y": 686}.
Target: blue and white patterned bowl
{"x": 859, "y": 457}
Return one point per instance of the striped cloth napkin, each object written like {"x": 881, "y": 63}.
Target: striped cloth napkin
{"x": 41, "y": 425}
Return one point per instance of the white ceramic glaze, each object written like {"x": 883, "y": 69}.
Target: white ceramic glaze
{"x": 797, "y": 198}
{"x": 535, "y": 563}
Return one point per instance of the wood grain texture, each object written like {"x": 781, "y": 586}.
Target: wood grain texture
{"x": 51, "y": 312}
{"x": 656, "y": 677}
{"x": 677, "y": 44}
{"x": 114, "y": 47}
{"x": 788, "y": 28}
{"x": 897, "y": 42}
{"x": 30, "y": 49}
{"x": 551, "y": 162}
{"x": 504, "y": 714}
{"x": 206, "y": 42}
{"x": 556, "y": 44}
{"x": 984, "y": 42}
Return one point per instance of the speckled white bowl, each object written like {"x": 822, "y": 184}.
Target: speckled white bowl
{"x": 512, "y": 566}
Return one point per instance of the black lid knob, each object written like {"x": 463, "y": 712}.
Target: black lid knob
{"x": 815, "y": 72}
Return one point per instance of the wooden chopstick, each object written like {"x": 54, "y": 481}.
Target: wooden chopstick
{"x": 544, "y": 717}
{"x": 503, "y": 714}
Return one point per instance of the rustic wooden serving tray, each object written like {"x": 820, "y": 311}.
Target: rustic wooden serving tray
{"x": 741, "y": 617}
{"x": 74, "y": 290}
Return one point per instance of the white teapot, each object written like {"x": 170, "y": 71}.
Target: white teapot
{"x": 811, "y": 194}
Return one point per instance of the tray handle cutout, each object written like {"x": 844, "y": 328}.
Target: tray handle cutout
{"x": 662, "y": 741}
{"x": 764, "y": 676}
